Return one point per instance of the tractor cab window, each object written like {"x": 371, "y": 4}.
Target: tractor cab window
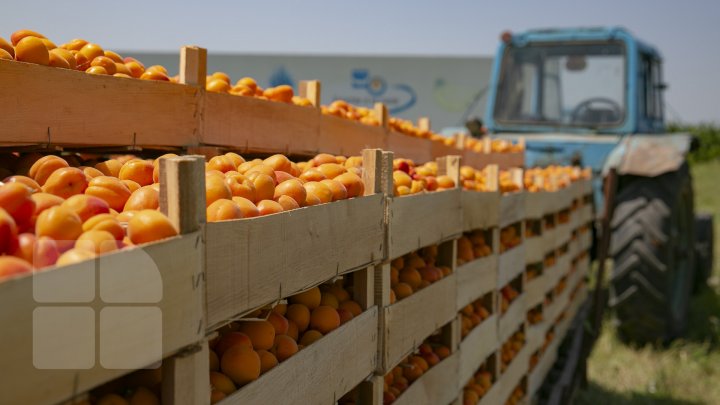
{"x": 650, "y": 88}
{"x": 562, "y": 85}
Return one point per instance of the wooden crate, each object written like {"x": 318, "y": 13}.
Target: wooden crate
{"x": 346, "y": 137}
{"x": 493, "y": 396}
{"x": 512, "y": 208}
{"x": 537, "y": 247}
{"x": 322, "y": 372}
{"x": 502, "y": 160}
{"x": 477, "y": 346}
{"x": 541, "y": 370}
{"x": 435, "y": 386}
{"x": 409, "y": 147}
{"x": 49, "y": 106}
{"x": 536, "y": 289}
{"x": 122, "y": 296}
{"x": 476, "y": 278}
{"x": 537, "y": 204}
{"x": 511, "y": 263}
{"x": 514, "y": 316}
{"x": 480, "y": 210}
{"x": 515, "y": 372}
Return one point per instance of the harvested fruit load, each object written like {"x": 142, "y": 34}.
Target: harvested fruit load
{"x": 411, "y": 179}
{"x": 533, "y": 228}
{"x": 510, "y": 349}
{"x": 473, "y": 315}
{"x": 414, "y": 271}
{"x": 549, "y": 221}
{"x": 510, "y": 237}
{"x": 220, "y": 82}
{"x": 535, "y": 315}
{"x": 495, "y": 146}
{"x": 473, "y": 245}
{"x": 236, "y": 188}
{"x": 564, "y": 216}
{"x": 560, "y": 287}
{"x": 474, "y": 179}
{"x": 553, "y": 178}
{"x": 409, "y": 128}
{"x": 52, "y": 213}
{"x": 251, "y": 346}
{"x": 401, "y": 377}
{"x": 549, "y": 336}
{"x": 550, "y": 260}
{"x": 139, "y": 387}
{"x": 478, "y": 385}
{"x": 532, "y": 271}
{"x": 343, "y": 109}
{"x": 506, "y": 182}
{"x": 78, "y": 54}
{"x": 517, "y": 395}
{"x": 534, "y": 360}
{"x": 508, "y": 294}
{"x": 563, "y": 250}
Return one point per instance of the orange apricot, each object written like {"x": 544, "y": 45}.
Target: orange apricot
{"x": 135, "y": 68}
{"x": 13, "y": 266}
{"x": 445, "y": 182}
{"x": 293, "y": 330}
{"x": 287, "y": 203}
{"x": 240, "y": 186}
{"x": 324, "y": 319}
{"x": 216, "y": 189}
{"x": 45, "y": 166}
{"x": 267, "y": 207}
{"x": 86, "y": 206}
{"x": 311, "y": 199}
{"x": 90, "y": 172}
{"x": 145, "y": 197}
{"x": 221, "y": 163}
{"x": 345, "y": 316}
{"x": 231, "y": 339}
{"x": 312, "y": 175}
{"x": 221, "y": 382}
{"x": 16, "y": 199}
{"x": 96, "y": 242}
{"x": 248, "y": 209}
{"x": 91, "y": 51}
{"x": 330, "y": 300}
{"x": 137, "y": 170}
{"x": 279, "y": 322}
{"x": 8, "y": 233}
{"x": 278, "y": 163}
{"x": 267, "y": 360}
{"x": 110, "y": 167}
{"x": 411, "y": 277}
{"x": 5, "y": 45}
{"x": 110, "y": 189}
{"x": 291, "y": 188}
{"x": 310, "y": 337}
{"x": 402, "y": 290}
{"x": 351, "y": 306}
{"x": 310, "y": 298}
{"x": 223, "y": 210}
{"x": 73, "y": 256}
{"x": 284, "y": 347}
{"x": 32, "y": 50}
{"x": 321, "y": 190}
{"x": 106, "y": 63}
{"x": 241, "y": 365}
{"x": 217, "y": 86}
{"x": 261, "y": 333}
{"x": 44, "y": 201}
{"x": 96, "y": 70}
{"x": 148, "y": 226}
{"x": 352, "y": 183}
{"x": 300, "y": 315}
{"x": 27, "y": 181}
{"x": 66, "y": 182}
{"x": 331, "y": 170}
{"x": 59, "y": 223}
{"x": 154, "y": 75}
{"x": 338, "y": 190}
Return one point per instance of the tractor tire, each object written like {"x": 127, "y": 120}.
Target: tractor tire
{"x": 704, "y": 244}
{"x": 652, "y": 244}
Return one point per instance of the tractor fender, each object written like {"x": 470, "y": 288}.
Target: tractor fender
{"x": 648, "y": 155}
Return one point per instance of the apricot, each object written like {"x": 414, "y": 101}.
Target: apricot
{"x": 288, "y": 203}
{"x": 45, "y": 166}
{"x": 27, "y": 181}
{"x": 8, "y": 233}
{"x": 59, "y": 223}
{"x": 291, "y": 188}
{"x": 324, "y": 319}
{"x": 110, "y": 167}
{"x": 298, "y": 314}
{"x": 338, "y": 190}
{"x": 239, "y": 185}
{"x": 321, "y": 190}
{"x": 148, "y": 226}
{"x": 248, "y": 82}
{"x": 412, "y": 372}
{"x": 96, "y": 70}
{"x": 73, "y": 256}
{"x": 267, "y": 207}
{"x": 6, "y": 55}
{"x": 311, "y": 199}
{"x": 145, "y": 197}
{"x": 137, "y": 170}
{"x": 86, "y": 206}
{"x": 135, "y": 68}
{"x": 310, "y": 298}
{"x": 279, "y": 163}
{"x": 292, "y": 330}
{"x": 312, "y": 175}
{"x": 96, "y": 241}
{"x": 105, "y": 222}
{"x": 261, "y": 333}
{"x": 9, "y": 49}
{"x": 66, "y": 182}
{"x": 267, "y": 360}
{"x": 442, "y": 352}
{"x": 110, "y": 189}
{"x": 247, "y": 208}
{"x": 55, "y": 60}
{"x": 331, "y": 170}
{"x": 411, "y": 277}
{"x": 216, "y": 189}
{"x": 91, "y": 51}
{"x": 402, "y": 290}
{"x": 121, "y": 69}
{"x": 284, "y": 347}
{"x": 231, "y": 339}
{"x": 352, "y": 183}
{"x": 16, "y": 199}
{"x": 400, "y": 178}
{"x": 240, "y": 364}
{"x": 445, "y": 182}
{"x": 112, "y": 399}
{"x": 279, "y": 322}
{"x": 214, "y": 360}
{"x": 339, "y": 292}
{"x": 282, "y": 93}
{"x": 44, "y": 201}
{"x": 106, "y": 63}
{"x": 351, "y": 306}
{"x": 221, "y": 163}
{"x": 221, "y": 382}
{"x": 223, "y": 210}
{"x": 310, "y": 337}
{"x": 154, "y": 75}
{"x": 32, "y": 49}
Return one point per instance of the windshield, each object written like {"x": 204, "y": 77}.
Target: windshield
{"x": 562, "y": 85}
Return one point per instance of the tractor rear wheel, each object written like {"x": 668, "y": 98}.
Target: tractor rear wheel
{"x": 652, "y": 245}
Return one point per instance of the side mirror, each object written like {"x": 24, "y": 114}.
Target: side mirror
{"x": 661, "y": 86}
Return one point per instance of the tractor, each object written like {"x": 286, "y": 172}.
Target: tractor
{"x": 594, "y": 97}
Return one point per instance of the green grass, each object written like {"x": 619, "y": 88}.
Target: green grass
{"x": 687, "y": 371}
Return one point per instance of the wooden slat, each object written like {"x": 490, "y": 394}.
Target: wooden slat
{"x": 65, "y": 107}
{"x": 512, "y": 318}
{"x": 536, "y": 248}
{"x": 475, "y": 279}
{"x": 250, "y": 124}
{"x": 512, "y": 208}
{"x": 535, "y": 290}
{"x": 409, "y": 321}
{"x": 492, "y": 397}
{"x": 477, "y": 346}
{"x": 480, "y": 210}
{"x": 433, "y": 387}
{"x": 537, "y": 376}
{"x": 346, "y": 137}
{"x": 310, "y": 89}
{"x": 537, "y": 204}
{"x": 514, "y": 374}
{"x": 322, "y": 372}
{"x": 185, "y": 377}
{"x": 511, "y": 264}
{"x": 256, "y": 261}
{"x": 416, "y": 221}
{"x": 409, "y": 147}
{"x": 193, "y": 66}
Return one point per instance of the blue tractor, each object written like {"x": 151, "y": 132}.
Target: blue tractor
{"x": 594, "y": 97}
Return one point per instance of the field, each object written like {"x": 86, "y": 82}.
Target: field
{"x": 686, "y": 372}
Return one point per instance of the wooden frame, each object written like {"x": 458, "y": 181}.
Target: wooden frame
{"x": 511, "y": 264}
{"x": 435, "y": 386}
{"x": 478, "y": 345}
{"x": 480, "y": 210}
{"x": 475, "y": 279}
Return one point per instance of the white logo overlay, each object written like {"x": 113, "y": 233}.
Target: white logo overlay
{"x": 99, "y": 313}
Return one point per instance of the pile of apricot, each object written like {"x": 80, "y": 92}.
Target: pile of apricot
{"x": 532, "y": 228}
{"x": 510, "y": 349}
{"x": 397, "y": 381}
{"x": 53, "y": 213}
{"x": 506, "y": 182}
{"x": 473, "y": 245}
{"x": 532, "y": 271}
{"x": 510, "y": 237}
{"x": 246, "y": 349}
{"x": 517, "y": 395}
{"x": 411, "y": 179}
{"x": 409, "y": 128}
{"x": 220, "y": 82}
{"x": 472, "y": 315}
{"x": 142, "y": 387}
{"x": 414, "y": 271}
{"x": 560, "y": 286}
{"x": 473, "y": 179}
{"x": 535, "y": 316}
{"x": 343, "y": 109}
{"x": 478, "y": 386}
{"x": 78, "y": 54}
{"x": 496, "y": 146}
{"x": 508, "y": 294}
{"x": 550, "y": 260}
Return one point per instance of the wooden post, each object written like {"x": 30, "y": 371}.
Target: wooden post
{"x": 193, "y": 66}
{"x": 182, "y": 192}
{"x": 185, "y": 377}
{"x": 310, "y": 89}
{"x": 370, "y": 391}
{"x": 424, "y": 124}
{"x": 382, "y": 114}
{"x": 491, "y": 177}
{"x": 450, "y": 166}
{"x": 517, "y": 177}
{"x": 487, "y": 145}
{"x": 372, "y": 174}
{"x": 460, "y": 139}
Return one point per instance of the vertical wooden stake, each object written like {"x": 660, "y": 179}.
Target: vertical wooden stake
{"x": 521, "y": 142}
{"x": 487, "y": 145}
{"x": 460, "y": 139}
{"x": 424, "y": 124}
{"x": 517, "y": 177}
{"x": 364, "y": 287}
{"x": 182, "y": 192}
{"x": 491, "y": 177}
{"x": 310, "y": 89}
{"x": 372, "y": 174}
{"x": 450, "y": 166}
{"x": 185, "y": 377}
{"x": 370, "y": 392}
{"x": 193, "y": 66}
{"x": 382, "y": 114}
{"x": 387, "y": 183}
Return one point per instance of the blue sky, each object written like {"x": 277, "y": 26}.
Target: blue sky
{"x": 686, "y": 32}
